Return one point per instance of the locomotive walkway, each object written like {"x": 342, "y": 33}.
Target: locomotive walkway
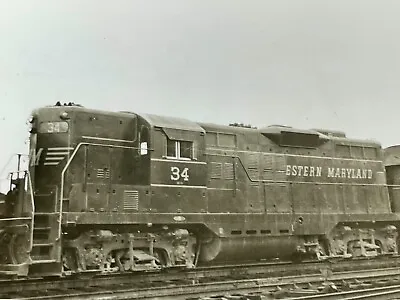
{"x": 368, "y": 279}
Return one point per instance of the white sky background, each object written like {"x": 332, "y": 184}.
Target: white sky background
{"x": 326, "y": 64}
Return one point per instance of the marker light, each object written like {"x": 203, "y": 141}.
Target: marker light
{"x": 30, "y": 122}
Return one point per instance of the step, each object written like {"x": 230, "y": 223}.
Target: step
{"x": 51, "y": 213}
{"x": 45, "y": 268}
{"x": 43, "y": 261}
{"x": 42, "y": 241}
{"x": 12, "y": 270}
{"x": 45, "y": 221}
{"x": 41, "y": 250}
{"x": 42, "y": 244}
{"x": 43, "y": 258}
{"x": 41, "y": 228}
{"x": 45, "y": 216}
{"x": 41, "y": 236}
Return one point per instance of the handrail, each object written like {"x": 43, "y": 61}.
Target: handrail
{"x": 65, "y": 169}
{"x": 9, "y": 160}
{"x": 27, "y": 173}
{"x": 33, "y": 207}
{"x": 14, "y": 219}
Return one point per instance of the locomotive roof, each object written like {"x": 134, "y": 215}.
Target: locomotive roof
{"x": 276, "y": 129}
{"x": 187, "y": 125}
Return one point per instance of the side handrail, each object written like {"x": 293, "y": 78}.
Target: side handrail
{"x": 66, "y": 167}
{"x": 27, "y": 173}
{"x": 32, "y": 206}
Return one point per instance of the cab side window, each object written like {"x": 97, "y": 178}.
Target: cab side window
{"x": 179, "y": 149}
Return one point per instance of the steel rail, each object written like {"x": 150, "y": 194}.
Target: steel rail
{"x": 219, "y": 290}
{"x": 269, "y": 270}
{"x": 181, "y": 285}
{"x": 363, "y": 293}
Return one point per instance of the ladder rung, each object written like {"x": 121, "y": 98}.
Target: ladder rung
{"x": 42, "y": 244}
{"x": 46, "y": 213}
{"x": 41, "y": 228}
{"x": 43, "y": 261}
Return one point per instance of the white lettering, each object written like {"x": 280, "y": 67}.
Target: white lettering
{"x": 176, "y": 174}
{"x": 305, "y": 171}
{"x": 312, "y": 171}
{"x": 185, "y": 174}
{"x": 35, "y": 157}
{"x": 364, "y": 173}
{"x": 319, "y": 171}
{"x": 300, "y": 168}
{"x": 294, "y": 170}
{"x": 288, "y": 170}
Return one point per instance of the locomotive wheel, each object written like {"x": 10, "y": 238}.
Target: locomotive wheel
{"x": 162, "y": 257}
{"x": 19, "y": 249}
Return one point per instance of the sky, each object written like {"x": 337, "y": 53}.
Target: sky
{"x": 307, "y": 64}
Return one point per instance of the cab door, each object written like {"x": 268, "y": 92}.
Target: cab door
{"x": 179, "y": 172}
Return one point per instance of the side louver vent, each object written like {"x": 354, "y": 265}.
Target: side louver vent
{"x": 131, "y": 200}
{"x": 228, "y": 171}
{"x": 216, "y": 170}
{"x": 103, "y": 173}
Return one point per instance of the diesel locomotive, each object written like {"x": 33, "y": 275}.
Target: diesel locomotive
{"x": 123, "y": 191}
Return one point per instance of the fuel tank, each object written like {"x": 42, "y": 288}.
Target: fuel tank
{"x": 225, "y": 249}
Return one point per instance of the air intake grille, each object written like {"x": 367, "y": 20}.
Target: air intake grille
{"x": 228, "y": 171}
{"x": 103, "y": 173}
{"x": 216, "y": 170}
{"x": 131, "y": 200}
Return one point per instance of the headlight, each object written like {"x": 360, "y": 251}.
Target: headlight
{"x": 64, "y": 115}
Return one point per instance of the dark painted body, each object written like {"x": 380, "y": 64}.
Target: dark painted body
{"x": 247, "y": 193}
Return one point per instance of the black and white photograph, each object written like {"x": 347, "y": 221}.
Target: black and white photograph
{"x": 199, "y": 149}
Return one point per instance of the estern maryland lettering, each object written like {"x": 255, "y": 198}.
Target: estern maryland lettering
{"x": 330, "y": 172}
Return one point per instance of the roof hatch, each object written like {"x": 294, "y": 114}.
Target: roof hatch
{"x": 290, "y": 137}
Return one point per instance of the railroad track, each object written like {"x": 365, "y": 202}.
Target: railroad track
{"x": 345, "y": 285}
{"x": 258, "y": 281}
